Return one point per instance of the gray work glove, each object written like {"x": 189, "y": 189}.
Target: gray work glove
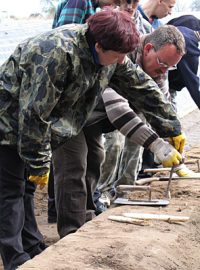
{"x": 165, "y": 153}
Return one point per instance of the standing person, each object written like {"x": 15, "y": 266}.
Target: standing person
{"x": 48, "y": 88}
{"x": 77, "y": 175}
{"x": 67, "y": 12}
{"x": 153, "y": 10}
{"x": 72, "y": 11}
{"x": 186, "y": 73}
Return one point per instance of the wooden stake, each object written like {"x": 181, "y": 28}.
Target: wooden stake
{"x": 169, "y": 218}
{"x": 124, "y": 219}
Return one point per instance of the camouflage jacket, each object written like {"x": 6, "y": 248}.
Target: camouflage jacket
{"x": 50, "y": 85}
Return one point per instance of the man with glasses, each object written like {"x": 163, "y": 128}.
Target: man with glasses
{"x": 156, "y": 54}
{"x": 152, "y": 11}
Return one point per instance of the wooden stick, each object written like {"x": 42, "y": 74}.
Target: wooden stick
{"x": 132, "y": 188}
{"x": 169, "y": 218}
{"x": 163, "y": 178}
{"x": 144, "y": 181}
{"x": 157, "y": 170}
{"x": 124, "y": 219}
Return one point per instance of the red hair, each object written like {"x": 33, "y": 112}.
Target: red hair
{"x": 114, "y": 30}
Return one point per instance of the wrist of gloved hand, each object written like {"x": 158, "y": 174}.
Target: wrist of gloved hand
{"x": 182, "y": 171}
{"x": 41, "y": 180}
{"x": 165, "y": 153}
{"x": 178, "y": 142}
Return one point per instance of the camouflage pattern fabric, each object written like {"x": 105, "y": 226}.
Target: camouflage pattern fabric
{"x": 113, "y": 145}
{"x": 50, "y": 85}
{"x": 48, "y": 88}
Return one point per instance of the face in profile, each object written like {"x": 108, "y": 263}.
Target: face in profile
{"x": 129, "y": 6}
{"x": 164, "y": 8}
{"x": 109, "y": 57}
{"x": 157, "y": 63}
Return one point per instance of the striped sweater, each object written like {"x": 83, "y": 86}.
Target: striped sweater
{"x": 72, "y": 11}
{"x": 126, "y": 120}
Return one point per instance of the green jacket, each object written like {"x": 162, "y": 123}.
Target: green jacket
{"x": 50, "y": 85}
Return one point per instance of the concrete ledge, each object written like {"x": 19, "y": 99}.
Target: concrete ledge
{"x": 103, "y": 244}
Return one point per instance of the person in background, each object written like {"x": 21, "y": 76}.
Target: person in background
{"x": 48, "y": 88}
{"x": 153, "y": 10}
{"x": 186, "y": 73}
{"x": 72, "y": 11}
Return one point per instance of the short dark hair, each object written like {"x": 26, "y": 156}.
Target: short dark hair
{"x": 114, "y": 30}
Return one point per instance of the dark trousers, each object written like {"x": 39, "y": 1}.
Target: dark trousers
{"x": 77, "y": 165}
{"x": 52, "y": 213}
{"x": 20, "y": 238}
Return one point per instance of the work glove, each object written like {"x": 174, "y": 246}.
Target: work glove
{"x": 182, "y": 171}
{"x": 41, "y": 180}
{"x": 165, "y": 153}
{"x": 178, "y": 142}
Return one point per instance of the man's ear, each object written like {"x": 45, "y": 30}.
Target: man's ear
{"x": 98, "y": 47}
{"x": 147, "y": 48}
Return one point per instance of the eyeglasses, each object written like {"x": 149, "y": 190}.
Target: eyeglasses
{"x": 163, "y": 65}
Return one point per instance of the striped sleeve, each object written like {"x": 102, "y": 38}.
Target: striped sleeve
{"x": 73, "y": 11}
{"x": 126, "y": 120}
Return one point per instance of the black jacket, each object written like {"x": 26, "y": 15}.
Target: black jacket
{"x": 186, "y": 74}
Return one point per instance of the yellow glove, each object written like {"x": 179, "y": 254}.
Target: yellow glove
{"x": 178, "y": 142}
{"x": 173, "y": 158}
{"x": 165, "y": 153}
{"x": 182, "y": 171}
{"x": 41, "y": 180}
